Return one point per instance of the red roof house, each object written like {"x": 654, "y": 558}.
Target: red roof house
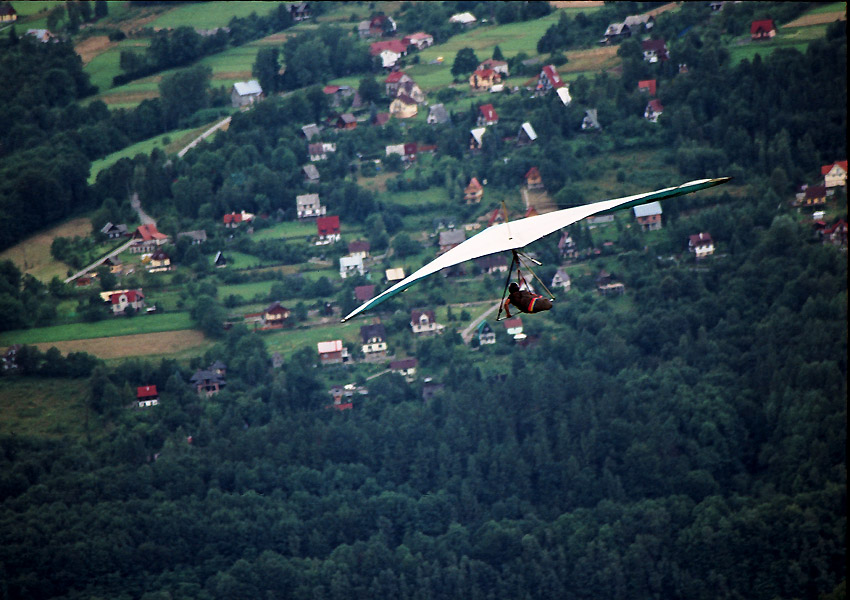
{"x": 487, "y": 115}
{"x": 647, "y": 85}
{"x": 549, "y": 79}
{"x": 328, "y": 228}
{"x": 763, "y": 29}
{"x": 147, "y": 395}
{"x": 834, "y": 175}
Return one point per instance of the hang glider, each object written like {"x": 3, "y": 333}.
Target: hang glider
{"x": 518, "y": 234}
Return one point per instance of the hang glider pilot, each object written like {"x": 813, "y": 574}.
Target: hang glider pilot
{"x": 525, "y": 301}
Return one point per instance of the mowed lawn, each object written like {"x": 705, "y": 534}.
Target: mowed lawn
{"x": 208, "y": 15}
{"x": 289, "y": 340}
{"x": 798, "y": 38}
{"x": 109, "y": 327}
{"x": 43, "y": 407}
{"x": 33, "y": 256}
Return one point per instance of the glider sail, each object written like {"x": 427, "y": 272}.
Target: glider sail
{"x": 518, "y": 234}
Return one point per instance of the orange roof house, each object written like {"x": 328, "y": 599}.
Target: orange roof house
{"x": 834, "y": 175}
{"x": 647, "y": 85}
{"x": 473, "y": 192}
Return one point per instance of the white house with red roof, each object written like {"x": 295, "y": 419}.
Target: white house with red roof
{"x": 701, "y": 244}
{"x": 420, "y": 40}
{"x": 514, "y": 328}
{"x": 653, "y": 110}
{"x": 763, "y": 29}
{"x": 234, "y": 219}
{"x": 332, "y": 352}
{"x": 500, "y": 66}
{"x": 146, "y": 238}
{"x": 487, "y": 115}
{"x": 123, "y": 299}
{"x": 394, "y": 81}
{"x": 836, "y": 233}
{"x": 389, "y": 51}
{"x": 147, "y": 395}
{"x": 549, "y": 79}
{"x": 483, "y": 79}
{"x": 834, "y": 175}
{"x": 328, "y": 230}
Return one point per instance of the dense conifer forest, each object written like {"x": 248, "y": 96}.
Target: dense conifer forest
{"x": 692, "y": 445}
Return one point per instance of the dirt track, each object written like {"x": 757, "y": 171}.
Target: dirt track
{"x": 91, "y": 47}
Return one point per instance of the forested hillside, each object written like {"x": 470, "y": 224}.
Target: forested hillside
{"x": 686, "y": 439}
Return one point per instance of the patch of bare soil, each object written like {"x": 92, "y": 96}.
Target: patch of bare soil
{"x": 818, "y": 19}
{"x": 232, "y": 75}
{"x": 140, "y": 344}
{"x": 92, "y": 47}
{"x": 593, "y": 59}
{"x": 657, "y": 11}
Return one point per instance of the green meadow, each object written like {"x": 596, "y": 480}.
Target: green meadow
{"x": 208, "y": 15}
{"x": 798, "y": 38}
{"x": 43, "y": 407}
{"x": 110, "y": 327}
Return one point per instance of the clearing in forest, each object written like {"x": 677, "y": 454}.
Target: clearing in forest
{"x": 160, "y": 344}
{"x": 33, "y": 256}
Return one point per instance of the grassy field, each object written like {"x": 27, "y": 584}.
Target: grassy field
{"x": 117, "y": 326}
{"x": 208, "y": 15}
{"x": 169, "y": 143}
{"x": 287, "y": 229}
{"x": 288, "y": 341}
{"x": 798, "y": 38}
{"x": 44, "y": 408}
{"x": 182, "y": 344}
{"x": 33, "y": 254}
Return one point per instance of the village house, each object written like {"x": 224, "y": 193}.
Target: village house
{"x": 207, "y": 382}
{"x": 112, "y": 231}
{"x": 404, "y": 107}
{"x": 533, "y": 180}
{"x": 311, "y": 173}
{"x": 316, "y": 152}
{"x": 332, "y": 353}
{"x": 420, "y": 40}
{"x": 196, "y": 237}
{"x": 437, "y": 114}
{"x": 499, "y": 66}
{"x": 362, "y": 293}
{"x": 492, "y": 264}
{"x": 338, "y": 94}
{"x": 146, "y": 239}
{"x": 390, "y": 51}
{"x": 549, "y": 79}
{"x": 814, "y": 195}
{"x": 310, "y": 131}
{"x": 476, "y": 138}
{"x": 526, "y": 134}
{"x": 834, "y": 175}
{"x": 299, "y": 11}
{"x": 486, "y": 334}
{"x": 393, "y": 81}
{"x": 561, "y": 280}
{"x": 611, "y": 289}
{"x": 245, "y": 93}
{"x": 346, "y": 121}
{"x": 342, "y": 397}
{"x": 158, "y": 262}
{"x": 639, "y": 23}
{"x": 219, "y": 261}
{"x": 836, "y": 233}
{"x": 564, "y": 94}
{"x": 146, "y": 396}
{"x": 648, "y": 86}
{"x": 653, "y": 110}
{"x": 590, "y": 121}
{"x": 450, "y": 239}
{"x": 374, "y": 339}
{"x": 614, "y": 33}
{"x": 359, "y": 248}
{"x": 412, "y": 89}
{"x": 308, "y": 206}
{"x": 328, "y": 230}
{"x": 424, "y": 322}
{"x": 513, "y": 326}
{"x": 43, "y": 35}
{"x": 654, "y": 50}
{"x": 648, "y": 216}
{"x": 487, "y": 115}
{"x": 406, "y": 367}
{"x": 474, "y": 192}
{"x": 466, "y": 19}
{"x": 7, "y": 13}
{"x": 701, "y": 245}
{"x": 275, "y": 316}
{"x": 351, "y": 265}
{"x": 763, "y": 29}
{"x": 393, "y": 274}
{"x": 116, "y": 267}
{"x": 483, "y": 79}
{"x": 124, "y": 299}
{"x": 234, "y": 219}
{"x": 567, "y": 246}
